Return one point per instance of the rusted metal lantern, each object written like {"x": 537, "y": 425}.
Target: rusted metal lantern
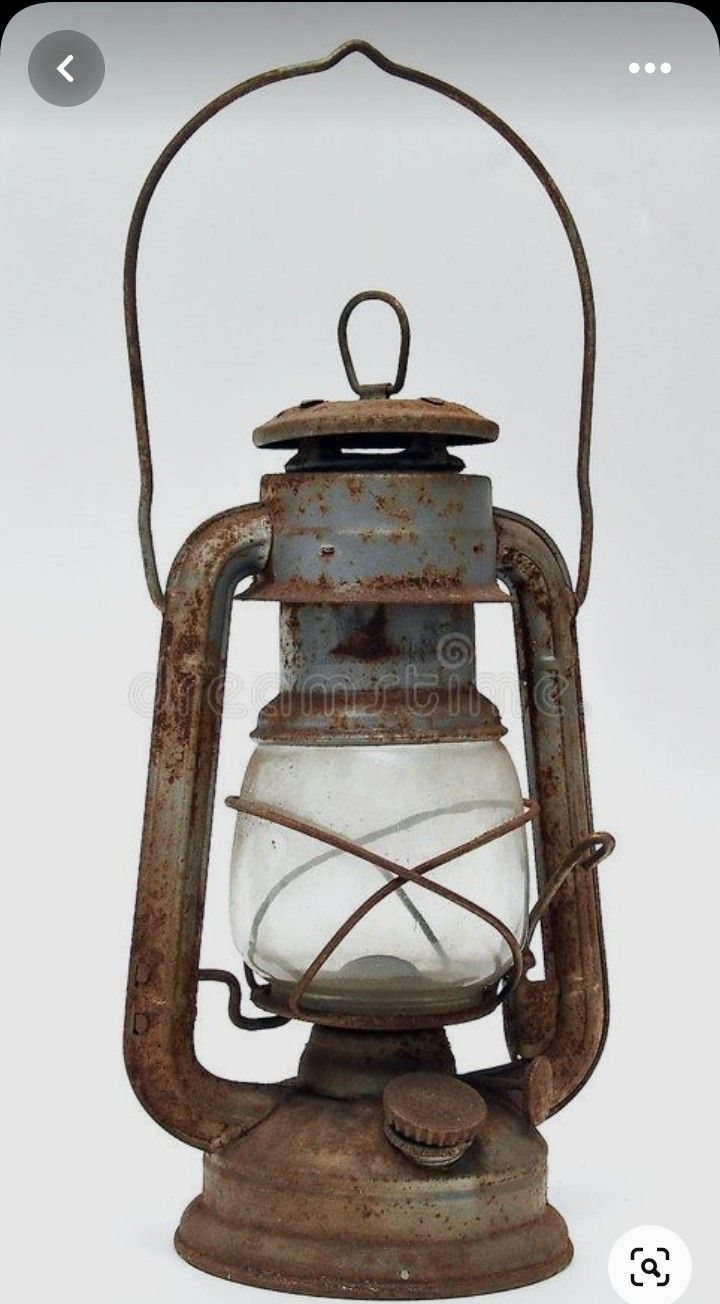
{"x": 379, "y": 888}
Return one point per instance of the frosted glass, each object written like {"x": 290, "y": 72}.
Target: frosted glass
{"x": 414, "y": 951}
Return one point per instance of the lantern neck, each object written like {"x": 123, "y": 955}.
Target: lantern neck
{"x": 347, "y": 1064}
{"x": 376, "y": 674}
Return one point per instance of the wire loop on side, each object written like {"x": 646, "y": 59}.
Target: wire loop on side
{"x": 235, "y": 1014}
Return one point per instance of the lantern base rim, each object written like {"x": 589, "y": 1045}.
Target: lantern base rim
{"x": 314, "y": 1201}
{"x": 549, "y": 1241}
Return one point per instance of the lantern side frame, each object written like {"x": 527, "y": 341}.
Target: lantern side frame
{"x": 190, "y": 1102}
{"x": 563, "y": 1017}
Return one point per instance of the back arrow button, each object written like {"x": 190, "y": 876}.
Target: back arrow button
{"x": 62, "y": 68}
{"x": 66, "y": 79}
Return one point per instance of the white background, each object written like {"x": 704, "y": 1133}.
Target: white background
{"x": 270, "y": 220}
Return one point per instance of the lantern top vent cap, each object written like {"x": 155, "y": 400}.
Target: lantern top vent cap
{"x": 377, "y": 420}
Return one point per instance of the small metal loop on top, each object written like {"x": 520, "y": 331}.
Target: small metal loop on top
{"x": 386, "y": 388}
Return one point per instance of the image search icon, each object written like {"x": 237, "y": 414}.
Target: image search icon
{"x": 648, "y": 1259}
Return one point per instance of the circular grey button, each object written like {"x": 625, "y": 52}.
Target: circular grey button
{"x": 66, "y": 68}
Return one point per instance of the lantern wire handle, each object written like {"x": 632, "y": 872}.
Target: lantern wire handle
{"x": 458, "y": 97}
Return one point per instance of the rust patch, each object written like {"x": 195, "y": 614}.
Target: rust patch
{"x": 368, "y": 642}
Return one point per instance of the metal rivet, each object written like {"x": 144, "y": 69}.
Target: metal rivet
{"x": 141, "y": 1023}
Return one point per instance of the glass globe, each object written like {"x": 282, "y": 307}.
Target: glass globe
{"x": 414, "y": 952}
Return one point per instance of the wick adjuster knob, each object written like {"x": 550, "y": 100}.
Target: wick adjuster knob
{"x": 432, "y": 1117}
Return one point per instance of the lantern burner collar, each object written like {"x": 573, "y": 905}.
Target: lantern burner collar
{"x": 350, "y": 435}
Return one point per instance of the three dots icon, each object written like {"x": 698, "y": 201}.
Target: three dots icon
{"x": 649, "y": 67}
